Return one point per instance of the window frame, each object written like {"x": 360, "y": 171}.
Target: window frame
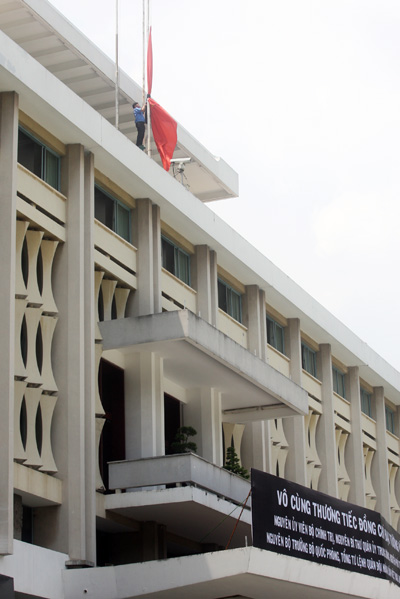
{"x": 366, "y": 401}
{"x": 45, "y": 150}
{"x": 178, "y": 251}
{"x": 336, "y": 373}
{"x": 306, "y": 353}
{"x": 116, "y": 203}
{"x": 275, "y": 325}
{"x": 229, "y": 292}
{"x": 390, "y": 421}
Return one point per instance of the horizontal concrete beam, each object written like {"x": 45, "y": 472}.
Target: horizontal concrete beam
{"x": 245, "y": 380}
{"x": 247, "y": 572}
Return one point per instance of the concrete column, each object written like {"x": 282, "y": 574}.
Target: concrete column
{"x": 263, "y": 326}
{"x": 354, "y": 447}
{"x": 8, "y": 194}
{"x": 153, "y": 545}
{"x": 202, "y": 281}
{"x": 268, "y": 447}
{"x": 325, "y": 436}
{"x": 143, "y": 300}
{"x": 67, "y": 527}
{"x": 144, "y": 406}
{"x": 293, "y": 426}
{"x": 214, "y": 287}
{"x": 294, "y": 350}
{"x": 252, "y": 319}
{"x": 379, "y": 467}
{"x": 203, "y": 412}
{"x": 157, "y": 259}
{"x": 254, "y": 446}
{"x": 397, "y": 478}
{"x": 159, "y": 405}
{"x": 91, "y": 453}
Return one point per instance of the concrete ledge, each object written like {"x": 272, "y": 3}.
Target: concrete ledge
{"x": 195, "y": 351}
{"x": 181, "y": 468}
{"x": 36, "y": 571}
{"x": 246, "y": 572}
{"x": 37, "y": 488}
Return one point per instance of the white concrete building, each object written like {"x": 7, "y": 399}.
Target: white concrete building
{"x": 129, "y": 309}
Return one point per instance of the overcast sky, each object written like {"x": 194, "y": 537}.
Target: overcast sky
{"x": 302, "y": 99}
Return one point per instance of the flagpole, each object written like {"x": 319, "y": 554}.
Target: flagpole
{"x": 144, "y": 52}
{"x": 116, "y": 67}
{"x": 148, "y": 108}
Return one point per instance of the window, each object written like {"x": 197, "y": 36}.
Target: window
{"x": 365, "y": 402}
{"x": 38, "y": 158}
{"x": 338, "y": 382}
{"x": 175, "y": 260}
{"x": 275, "y": 335}
{"x": 390, "y": 416}
{"x": 308, "y": 359}
{"x": 229, "y": 300}
{"x": 112, "y": 213}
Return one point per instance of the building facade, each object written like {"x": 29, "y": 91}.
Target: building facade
{"x": 130, "y": 310}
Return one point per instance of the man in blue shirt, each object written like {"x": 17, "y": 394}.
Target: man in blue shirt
{"x": 140, "y": 123}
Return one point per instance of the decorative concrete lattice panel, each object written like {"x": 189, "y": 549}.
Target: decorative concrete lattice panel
{"x": 20, "y": 284}
{"x": 342, "y": 474}
{"x": 313, "y": 462}
{"x": 20, "y": 330}
{"x": 99, "y": 429}
{"x": 36, "y": 317}
{"x": 19, "y": 405}
{"x": 370, "y": 495}
{"x": 233, "y": 434}
{"x": 279, "y": 447}
{"x": 394, "y": 506}
{"x": 113, "y": 300}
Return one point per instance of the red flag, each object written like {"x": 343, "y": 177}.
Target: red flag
{"x": 164, "y": 129}
{"x": 149, "y": 64}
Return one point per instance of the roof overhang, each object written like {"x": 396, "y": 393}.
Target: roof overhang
{"x": 245, "y": 573}
{"x": 41, "y": 31}
{"x": 196, "y": 354}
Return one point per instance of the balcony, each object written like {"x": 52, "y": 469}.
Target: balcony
{"x": 178, "y": 470}
{"x": 190, "y": 496}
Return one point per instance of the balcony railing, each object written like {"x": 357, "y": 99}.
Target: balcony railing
{"x": 177, "y": 470}
{"x": 114, "y": 255}
{"x": 278, "y": 361}
{"x": 176, "y": 294}
{"x": 312, "y": 385}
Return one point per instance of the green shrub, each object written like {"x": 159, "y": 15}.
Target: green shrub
{"x": 181, "y": 443}
{"x": 232, "y": 463}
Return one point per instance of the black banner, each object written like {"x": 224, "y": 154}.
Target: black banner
{"x": 297, "y": 521}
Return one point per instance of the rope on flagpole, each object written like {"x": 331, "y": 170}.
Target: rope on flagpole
{"x": 116, "y": 67}
{"x": 148, "y": 107}
{"x": 144, "y": 52}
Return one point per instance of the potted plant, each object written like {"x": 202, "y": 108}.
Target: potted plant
{"x": 232, "y": 463}
{"x": 181, "y": 443}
